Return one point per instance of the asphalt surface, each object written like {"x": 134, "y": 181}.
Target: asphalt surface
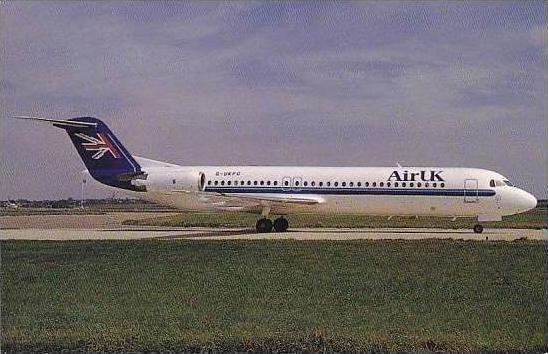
{"x": 109, "y": 226}
{"x": 249, "y": 234}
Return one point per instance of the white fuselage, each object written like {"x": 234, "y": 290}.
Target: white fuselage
{"x": 435, "y": 191}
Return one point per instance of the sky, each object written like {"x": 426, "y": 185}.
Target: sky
{"x": 275, "y": 83}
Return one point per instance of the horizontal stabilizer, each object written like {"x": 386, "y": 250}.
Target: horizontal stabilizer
{"x": 60, "y": 122}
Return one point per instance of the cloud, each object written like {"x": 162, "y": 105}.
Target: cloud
{"x": 354, "y": 83}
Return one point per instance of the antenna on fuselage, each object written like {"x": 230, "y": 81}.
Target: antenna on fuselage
{"x": 398, "y": 164}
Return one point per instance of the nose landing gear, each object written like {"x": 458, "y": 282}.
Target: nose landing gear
{"x": 478, "y": 229}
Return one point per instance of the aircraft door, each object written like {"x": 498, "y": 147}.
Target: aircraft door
{"x": 201, "y": 181}
{"x": 470, "y": 190}
{"x": 286, "y": 184}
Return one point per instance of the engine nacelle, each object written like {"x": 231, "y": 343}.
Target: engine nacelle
{"x": 169, "y": 179}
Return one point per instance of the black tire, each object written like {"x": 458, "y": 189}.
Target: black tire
{"x": 478, "y": 229}
{"x": 263, "y": 225}
{"x": 281, "y": 225}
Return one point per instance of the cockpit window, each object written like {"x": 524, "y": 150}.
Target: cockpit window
{"x": 500, "y": 183}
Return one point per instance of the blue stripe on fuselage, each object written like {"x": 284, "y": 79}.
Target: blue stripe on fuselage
{"x": 355, "y": 191}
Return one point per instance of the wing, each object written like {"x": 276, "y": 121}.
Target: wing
{"x": 254, "y": 203}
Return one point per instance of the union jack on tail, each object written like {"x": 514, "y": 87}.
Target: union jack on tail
{"x": 101, "y": 144}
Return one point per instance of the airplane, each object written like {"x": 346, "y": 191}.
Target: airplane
{"x": 284, "y": 190}
{"x": 12, "y": 205}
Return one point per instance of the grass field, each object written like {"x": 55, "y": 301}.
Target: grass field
{"x": 273, "y": 295}
{"x": 534, "y": 219}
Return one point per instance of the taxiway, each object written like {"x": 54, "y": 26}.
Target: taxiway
{"x": 196, "y": 233}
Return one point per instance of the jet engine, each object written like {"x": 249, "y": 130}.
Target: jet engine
{"x": 173, "y": 180}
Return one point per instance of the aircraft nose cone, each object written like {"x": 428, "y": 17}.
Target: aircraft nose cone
{"x": 527, "y": 201}
{"x": 531, "y": 201}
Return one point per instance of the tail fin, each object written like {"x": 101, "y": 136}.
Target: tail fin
{"x": 106, "y": 159}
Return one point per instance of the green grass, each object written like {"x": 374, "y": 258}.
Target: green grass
{"x": 273, "y": 295}
{"x": 534, "y": 219}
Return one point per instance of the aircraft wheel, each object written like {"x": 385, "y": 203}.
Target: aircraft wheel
{"x": 264, "y": 225}
{"x": 281, "y": 224}
{"x": 478, "y": 229}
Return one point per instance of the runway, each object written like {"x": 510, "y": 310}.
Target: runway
{"x": 109, "y": 226}
{"x": 196, "y": 233}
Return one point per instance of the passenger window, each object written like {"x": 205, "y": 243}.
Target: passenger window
{"x": 321, "y": 184}
{"x": 442, "y": 185}
{"x": 359, "y": 184}
{"x": 411, "y": 184}
{"x": 254, "y": 183}
{"x": 419, "y": 184}
{"x": 305, "y": 183}
{"x": 312, "y": 183}
{"x": 275, "y": 183}
{"x": 209, "y": 183}
{"x": 434, "y": 185}
{"x": 403, "y": 184}
{"x": 426, "y": 185}
{"x": 374, "y": 184}
{"x": 388, "y": 184}
{"x": 381, "y": 184}
{"x": 336, "y": 184}
{"x": 229, "y": 183}
{"x": 395, "y": 184}
{"x": 328, "y": 184}
{"x": 351, "y": 184}
{"x": 216, "y": 182}
{"x": 286, "y": 183}
{"x": 262, "y": 183}
{"x": 367, "y": 184}
{"x": 344, "y": 184}
{"x": 241, "y": 183}
{"x": 268, "y": 183}
{"x": 296, "y": 183}
{"x": 222, "y": 183}
{"x": 248, "y": 183}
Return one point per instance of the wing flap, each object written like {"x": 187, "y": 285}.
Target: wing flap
{"x": 285, "y": 198}
{"x": 255, "y": 203}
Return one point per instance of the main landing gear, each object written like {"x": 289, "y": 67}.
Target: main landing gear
{"x": 478, "y": 228}
{"x": 281, "y": 224}
{"x": 265, "y": 225}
